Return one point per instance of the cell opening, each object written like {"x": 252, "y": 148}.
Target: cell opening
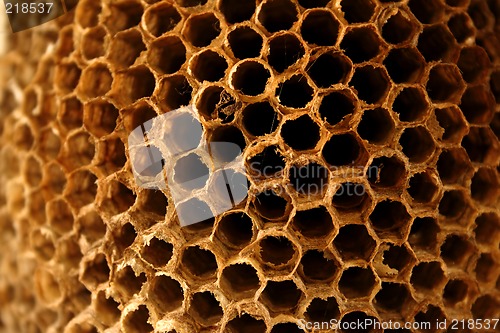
{"x": 94, "y": 43}
{"x": 486, "y": 268}
{"x": 175, "y": 92}
{"x": 392, "y": 296}
{"x": 456, "y": 250}
{"x": 336, "y": 105}
{"x": 433, "y": 314}
{"x": 451, "y": 120}
{"x": 455, "y": 292}
{"x": 329, "y": 69}
{"x": 480, "y": 15}
{"x": 87, "y": 14}
{"x": 461, "y": 26}
{"x": 106, "y": 309}
{"x": 237, "y": 12}
{"x": 201, "y": 29}
{"x": 81, "y": 189}
{"x": 316, "y": 268}
{"x": 195, "y": 214}
{"x": 376, "y": 126}
{"x": 205, "y": 308}
{"x": 276, "y": 15}
{"x": 158, "y": 252}
{"x": 199, "y": 262}
{"x": 351, "y": 197}
{"x": 453, "y": 166}
{"x": 361, "y": 44}
{"x": 309, "y": 180}
{"x": 473, "y": 63}
{"x": 240, "y": 280}
{"x": 137, "y": 321}
{"x": 322, "y": 309}
{"x": 481, "y": 145}
{"x": 210, "y": 66}
{"x": 123, "y": 15}
{"x": 487, "y": 228}
{"x": 342, "y": 149}
{"x": 79, "y": 150}
{"x": 124, "y": 236}
{"x": 357, "y": 282}
{"x": 313, "y": 223}
{"x": 410, "y": 104}
{"x": 47, "y": 286}
{"x": 251, "y": 78}
{"x": 42, "y": 244}
{"x": 59, "y": 216}
{"x": 276, "y": 250}
{"x": 235, "y": 230}
{"x": 422, "y": 187}
{"x": 427, "y": 12}
{"x": 445, "y": 83}
{"x": 226, "y": 134}
{"x": 404, "y": 65}
{"x": 305, "y": 125}
{"x": 485, "y": 306}
{"x": 320, "y": 27}
{"x": 166, "y": 293}
{"x": 96, "y": 271}
{"x": 427, "y": 276}
{"x": 153, "y": 201}
{"x": 71, "y": 113}
{"x": 357, "y": 11}
{"x": 91, "y": 226}
{"x": 281, "y": 296}
{"x": 284, "y": 50}
{"x": 100, "y": 117}
{"x": 354, "y": 242}
{"x": 246, "y": 323}
{"x": 478, "y": 105}
{"x": 453, "y": 204}
{"x": 128, "y": 283}
{"x": 125, "y": 48}
{"x": 161, "y": 18}
{"x": 397, "y": 257}
{"x": 485, "y": 186}
{"x": 190, "y": 172}
{"x": 371, "y": 83}
{"x": 167, "y": 55}
{"x": 260, "y": 118}
{"x": 295, "y": 92}
{"x": 216, "y": 103}
{"x": 389, "y": 217}
{"x": 417, "y": 144}
{"x": 436, "y": 43}
{"x": 268, "y": 163}
{"x": 397, "y": 29}
{"x": 95, "y": 81}
{"x": 245, "y": 42}
{"x": 33, "y": 171}
{"x": 423, "y": 234}
{"x": 118, "y": 200}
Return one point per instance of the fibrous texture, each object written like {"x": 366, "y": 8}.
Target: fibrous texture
{"x": 369, "y": 130}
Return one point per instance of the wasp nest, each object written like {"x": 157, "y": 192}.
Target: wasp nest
{"x": 370, "y": 133}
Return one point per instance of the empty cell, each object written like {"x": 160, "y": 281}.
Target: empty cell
{"x": 313, "y": 223}
{"x": 354, "y": 242}
{"x": 485, "y": 306}
{"x": 165, "y": 293}
{"x": 201, "y": 29}
{"x": 361, "y": 44}
{"x": 390, "y": 218}
{"x": 427, "y": 276}
{"x": 87, "y": 13}
{"x": 245, "y": 42}
{"x": 81, "y": 188}
{"x": 455, "y": 292}
{"x": 397, "y": 257}
{"x": 137, "y": 321}
{"x": 337, "y": 105}
{"x": 65, "y": 44}
{"x": 157, "y": 252}
{"x": 309, "y": 180}
{"x": 205, "y": 308}
{"x": 235, "y": 230}
{"x": 322, "y": 309}
{"x": 226, "y": 134}
{"x": 250, "y": 77}
{"x": 42, "y": 244}
{"x": 191, "y": 3}
{"x": 174, "y": 92}
{"x": 482, "y": 145}
{"x": 351, "y": 197}
{"x": 47, "y": 287}
{"x": 161, "y": 18}
{"x": 316, "y": 268}
{"x": 125, "y": 48}
{"x": 110, "y": 155}
{"x": 127, "y": 282}
{"x": 285, "y": 49}
{"x": 268, "y": 163}
{"x": 454, "y": 205}
{"x": 260, "y": 118}
{"x": 423, "y": 234}
{"x": 193, "y": 211}
{"x": 210, "y": 66}
{"x": 32, "y": 171}
{"x": 190, "y": 172}
{"x": 478, "y": 105}
{"x": 167, "y": 54}
{"x": 295, "y": 92}
{"x": 286, "y": 327}
{"x": 67, "y": 76}
{"x": 276, "y": 15}
{"x": 235, "y": 12}
{"x": 310, "y": 133}
{"x": 78, "y": 151}
{"x": 95, "y": 81}
{"x": 94, "y": 43}
{"x": 486, "y": 268}
{"x": 137, "y": 115}
{"x": 487, "y": 228}
{"x": 454, "y": 166}
{"x": 200, "y": 263}
{"x": 473, "y": 63}
{"x": 480, "y": 14}
{"x": 398, "y": 28}
{"x": 59, "y": 216}
{"x": 134, "y": 84}
{"x": 239, "y": 281}
{"x": 452, "y": 121}
{"x": 456, "y": 250}
{"x": 35, "y": 203}
{"x": 417, "y": 144}
{"x": 245, "y": 323}
{"x": 371, "y": 83}
{"x": 432, "y": 315}
{"x": 70, "y": 113}
{"x": 276, "y": 251}
{"x": 411, "y": 104}
{"x": 405, "y": 65}
{"x": 485, "y": 186}
{"x": 215, "y": 102}
{"x": 342, "y": 149}
{"x": 54, "y": 177}
{"x": 461, "y": 26}
{"x": 106, "y": 309}
{"x": 429, "y": 11}
{"x": 357, "y": 11}
{"x": 376, "y": 126}
{"x": 91, "y": 226}
{"x": 329, "y": 68}
{"x": 123, "y": 15}
{"x": 100, "y": 117}
{"x": 281, "y": 296}
{"x": 392, "y": 297}
{"x": 320, "y": 27}
{"x": 153, "y": 201}
{"x": 95, "y": 271}
{"x": 118, "y": 198}
{"x": 423, "y": 187}
{"x": 436, "y": 43}
{"x": 357, "y": 282}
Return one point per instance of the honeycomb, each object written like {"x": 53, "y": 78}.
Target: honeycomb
{"x": 369, "y": 130}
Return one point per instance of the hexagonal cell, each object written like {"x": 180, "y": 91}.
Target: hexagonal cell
{"x": 285, "y": 49}
{"x": 235, "y": 230}
{"x": 328, "y": 69}
{"x": 260, "y": 118}
{"x": 423, "y": 187}
{"x": 427, "y": 12}
{"x": 199, "y": 263}
{"x": 320, "y": 27}
{"x": 250, "y": 77}
{"x": 281, "y": 296}
{"x": 81, "y": 188}
{"x": 167, "y": 54}
{"x": 157, "y": 252}
{"x": 54, "y": 177}
{"x": 59, "y": 216}
{"x": 32, "y": 171}
{"x": 133, "y": 84}
{"x": 166, "y": 294}
{"x": 453, "y": 123}
{"x": 99, "y": 117}
{"x": 94, "y": 43}
{"x": 336, "y": 106}
{"x": 485, "y": 306}
{"x": 351, "y": 199}
{"x": 354, "y": 242}
{"x": 229, "y": 134}
{"x": 486, "y": 268}
{"x": 110, "y": 155}
{"x": 316, "y": 268}
{"x": 487, "y": 228}
{"x": 390, "y": 219}
{"x": 405, "y": 65}
{"x": 246, "y": 323}
{"x": 276, "y": 15}
{"x": 309, "y": 180}
{"x": 454, "y": 166}
{"x": 411, "y": 104}
{"x": 480, "y": 14}
{"x": 397, "y": 257}
{"x": 322, "y": 309}
{"x": 432, "y": 315}
{"x": 436, "y": 43}
{"x": 78, "y": 151}
{"x": 417, "y": 144}
{"x": 123, "y": 15}
{"x": 286, "y": 328}
{"x": 245, "y": 42}
{"x": 161, "y": 18}
{"x": 343, "y": 149}
{"x": 124, "y": 236}
{"x": 91, "y": 226}
{"x": 313, "y": 223}
{"x": 201, "y": 29}
{"x": 106, "y": 309}
{"x": 239, "y": 281}
{"x": 47, "y": 286}
{"x": 70, "y": 113}
{"x": 371, "y": 83}
{"x": 361, "y": 44}
{"x": 137, "y": 321}
{"x": 428, "y": 277}
{"x": 190, "y": 172}
{"x": 303, "y": 124}
{"x": 268, "y": 163}
{"x": 455, "y": 205}
{"x": 125, "y": 48}
{"x": 87, "y": 13}
{"x": 376, "y": 126}
{"x": 392, "y": 297}
{"x": 127, "y": 282}
{"x": 215, "y": 103}
{"x": 174, "y": 92}
{"x": 205, "y": 309}
{"x": 461, "y": 26}
{"x": 95, "y": 81}
{"x": 42, "y": 244}
{"x": 294, "y": 92}
{"x": 357, "y": 11}
{"x": 485, "y": 186}
{"x": 234, "y": 13}
{"x": 478, "y": 105}
{"x": 276, "y": 251}
{"x": 398, "y": 28}
{"x": 67, "y": 76}
{"x": 386, "y": 171}
{"x": 65, "y": 44}
{"x": 35, "y": 203}
{"x": 482, "y": 145}
{"x": 357, "y": 282}
{"x": 473, "y": 63}
{"x": 96, "y": 271}
{"x": 208, "y": 65}
{"x": 457, "y": 250}
{"x": 456, "y": 291}
{"x": 153, "y": 201}
{"x": 117, "y": 199}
